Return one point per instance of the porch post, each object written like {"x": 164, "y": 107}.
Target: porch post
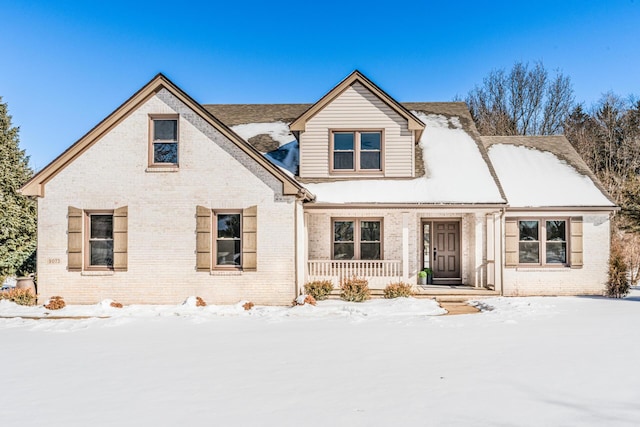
{"x": 491, "y": 243}
{"x": 479, "y": 250}
{"x": 405, "y": 247}
{"x": 301, "y": 247}
{"x": 497, "y": 251}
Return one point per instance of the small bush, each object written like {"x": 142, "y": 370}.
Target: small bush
{"x": 200, "y": 302}
{"x": 398, "y": 290}
{"x": 319, "y": 289}
{"x": 618, "y": 282}
{"x": 19, "y": 296}
{"x": 248, "y": 305}
{"x": 355, "y": 289}
{"x": 115, "y": 304}
{"x": 55, "y": 303}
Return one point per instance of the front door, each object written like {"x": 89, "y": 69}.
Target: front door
{"x": 445, "y": 251}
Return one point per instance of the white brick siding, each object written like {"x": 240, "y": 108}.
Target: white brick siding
{"x": 161, "y": 221}
{"x": 588, "y": 280}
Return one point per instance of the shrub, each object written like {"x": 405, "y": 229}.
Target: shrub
{"x": 19, "y": 296}
{"x": 115, "y": 304}
{"x": 55, "y": 303}
{"x": 248, "y": 305}
{"x": 319, "y": 289}
{"x": 200, "y": 302}
{"x": 398, "y": 290}
{"x": 354, "y": 289}
{"x": 618, "y": 282}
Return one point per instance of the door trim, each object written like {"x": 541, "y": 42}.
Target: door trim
{"x": 431, "y": 221}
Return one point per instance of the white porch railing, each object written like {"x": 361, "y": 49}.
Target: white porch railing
{"x": 379, "y": 272}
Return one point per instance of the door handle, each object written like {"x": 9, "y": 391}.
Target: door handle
{"x": 435, "y": 253}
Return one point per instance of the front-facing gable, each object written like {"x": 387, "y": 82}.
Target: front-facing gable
{"x": 36, "y": 185}
{"x": 356, "y": 129}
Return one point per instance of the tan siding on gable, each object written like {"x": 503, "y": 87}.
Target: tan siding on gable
{"x": 354, "y": 109}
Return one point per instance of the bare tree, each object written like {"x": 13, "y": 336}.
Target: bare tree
{"x": 524, "y": 101}
{"x": 608, "y": 139}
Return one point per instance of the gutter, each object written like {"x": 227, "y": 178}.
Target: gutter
{"x": 502, "y": 254}
{"x": 326, "y": 205}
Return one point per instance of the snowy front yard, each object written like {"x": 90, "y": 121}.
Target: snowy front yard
{"x": 529, "y": 361}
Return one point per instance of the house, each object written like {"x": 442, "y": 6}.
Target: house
{"x": 168, "y": 198}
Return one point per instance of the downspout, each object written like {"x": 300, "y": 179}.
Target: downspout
{"x": 295, "y": 240}
{"x": 300, "y": 252}
{"x": 502, "y": 214}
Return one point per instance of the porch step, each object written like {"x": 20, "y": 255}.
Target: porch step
{"x": 447, "y": 294}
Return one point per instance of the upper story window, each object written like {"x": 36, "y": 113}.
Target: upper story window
{"x": 542, "y": 242}
{"x": 356, "y": 151}
{"x": 164, "y": 141}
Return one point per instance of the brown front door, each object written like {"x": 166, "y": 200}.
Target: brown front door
{"x": 446, "y": 250}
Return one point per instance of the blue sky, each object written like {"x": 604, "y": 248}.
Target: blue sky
{"x": 68, "y": 64}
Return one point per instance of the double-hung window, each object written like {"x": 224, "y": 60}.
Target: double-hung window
{"x": 542, "y": 241}
{"x": 100, "y": 240}
{"x": 356, "y": 151}
{"x": 357, "y": 239}
{"x": 228, "y": 240}
{"x": 164, "y": 141}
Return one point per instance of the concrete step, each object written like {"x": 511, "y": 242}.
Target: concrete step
{"x": 440, "y": 295}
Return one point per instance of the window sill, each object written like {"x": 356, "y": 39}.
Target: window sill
{"x": 98, "y": 273}
{"x": 356, "y": 174}
{"x": 162, "y": 169}
{"x": 226, "y": 272}
{"x": 546, "y": 269}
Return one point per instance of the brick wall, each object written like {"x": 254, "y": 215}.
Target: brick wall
{"x": 161, "y": 214}
{"x": 588, "y": 280}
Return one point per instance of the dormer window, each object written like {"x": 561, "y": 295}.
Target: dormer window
{"x": 356, "y": 151}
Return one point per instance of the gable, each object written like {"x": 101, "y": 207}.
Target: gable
{"x": 332, "y": 130}
{"x": 36, "y": 186}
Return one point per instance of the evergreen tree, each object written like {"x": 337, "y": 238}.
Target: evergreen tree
{"x": 17, "y": 212}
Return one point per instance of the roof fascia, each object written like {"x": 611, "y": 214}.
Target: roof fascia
{"x": 564, "y": 209}
{"x": 373, "y": 205}
{"x": 36, "y": 185}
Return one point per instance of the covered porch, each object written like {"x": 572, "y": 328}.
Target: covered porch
{"x": 468, "y": 242}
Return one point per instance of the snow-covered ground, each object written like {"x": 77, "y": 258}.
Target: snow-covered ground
{"x": 527, "y": 362}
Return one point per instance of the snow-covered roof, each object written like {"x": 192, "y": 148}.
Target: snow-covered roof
{"x": 458, "y": 166}
{"x": 543, "y": 171}
{"x": 454, "y": 169}
{"x": 455, "y": 173}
